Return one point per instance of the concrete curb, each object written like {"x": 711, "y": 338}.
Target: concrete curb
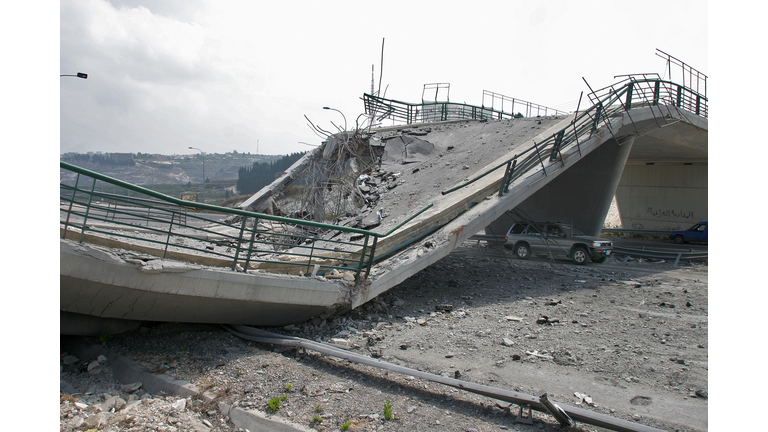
{"x": 128, "y": 371}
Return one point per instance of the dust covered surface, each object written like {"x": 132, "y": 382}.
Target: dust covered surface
{"x": 626, "y": 339}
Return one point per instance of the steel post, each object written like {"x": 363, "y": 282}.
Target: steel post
{"x": 71, "y": 202}
{"x": 87, "y": 209}
{"x": 250, "y": 246}
{"x": 239, "y": 242}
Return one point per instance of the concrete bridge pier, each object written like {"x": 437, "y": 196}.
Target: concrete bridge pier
{"x": 580, "y": 195}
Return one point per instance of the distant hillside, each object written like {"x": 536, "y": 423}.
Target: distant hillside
{"x": 150, "y": 169}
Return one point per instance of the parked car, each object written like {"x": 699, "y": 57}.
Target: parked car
{"x": 558, "y": 239}
{"x": 696, "y": 233}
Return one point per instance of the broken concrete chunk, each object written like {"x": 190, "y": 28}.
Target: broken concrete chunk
{"x": 130, "y": 388}
{"x": 341, "y": 342}
{"x": 70, "y": 359}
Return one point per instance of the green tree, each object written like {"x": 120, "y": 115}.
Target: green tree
{"x": 252, "y": 179}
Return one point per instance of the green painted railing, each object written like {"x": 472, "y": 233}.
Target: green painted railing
{"x": 426, "y": 112}
{"x": 607, "y": 103}
{"x": 162, "y": 223}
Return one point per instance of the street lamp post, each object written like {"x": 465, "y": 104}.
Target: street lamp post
{"x": 346, "y": 134}
{"x": 79, "y": 75}
{"x": 203, "y": 155}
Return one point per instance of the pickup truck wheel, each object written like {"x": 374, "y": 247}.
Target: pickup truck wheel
{"x": 579, "y": 255}
{"x": 522, "y": 251}
{"x": 599, "y": 260}
{"x": 679, "y": 239}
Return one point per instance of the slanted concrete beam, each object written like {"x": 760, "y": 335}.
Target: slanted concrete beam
{"x": 581, "y": 195}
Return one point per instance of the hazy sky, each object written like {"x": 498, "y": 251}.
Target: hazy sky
{"x": 222, "y": 75}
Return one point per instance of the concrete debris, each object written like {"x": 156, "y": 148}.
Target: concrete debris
{"x": 535, "y": 353}
{"x": 584, "y": 398}
{"x": 69, "y": 359}
{"x": 131, "y": 387}
{"x": 546, "y": 320}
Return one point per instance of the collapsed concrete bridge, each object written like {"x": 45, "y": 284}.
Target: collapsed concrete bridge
{"x": 128, "y": 259}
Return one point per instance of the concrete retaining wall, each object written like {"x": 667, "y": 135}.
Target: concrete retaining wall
{"x": 663, "y": 196}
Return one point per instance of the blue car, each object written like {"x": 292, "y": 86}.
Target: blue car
{"x": 696, "y": 233}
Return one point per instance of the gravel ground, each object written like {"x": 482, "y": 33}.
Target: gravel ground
{"x": 629, "y": 337}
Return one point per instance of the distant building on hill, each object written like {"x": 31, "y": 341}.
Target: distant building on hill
{"x": 121, "y": 158}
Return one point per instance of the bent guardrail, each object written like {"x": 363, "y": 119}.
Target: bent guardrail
{"x": 169, "y": 227}
{"x": 607, "y": 103}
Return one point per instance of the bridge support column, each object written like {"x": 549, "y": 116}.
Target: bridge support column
{"x": 580, "y": 195}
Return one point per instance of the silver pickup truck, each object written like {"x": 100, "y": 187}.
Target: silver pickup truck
{"x": 556, "y": 239}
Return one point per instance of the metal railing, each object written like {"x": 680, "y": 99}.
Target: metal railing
{"x": 527, "y": 107}
{"x": 649, "y": 89}
{"x": 168, "y": 227}
{"x": 607, "y": 103}
{"x": 425, "y": 112}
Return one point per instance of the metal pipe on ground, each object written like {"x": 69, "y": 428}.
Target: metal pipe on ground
{"x": 535, "y": 403}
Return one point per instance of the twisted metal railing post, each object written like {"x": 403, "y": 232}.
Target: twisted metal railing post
{"x": 311, "y": 253}
{"x": 87, "y": 210}
{"x": 168, "y": 238}
{"x": 556, "y": 145}
{"x": 370, "y": 257}
{"x": 239, "y": 243}
{"x": 362, "y": 259}
{"x": 538, "y": 156}
{"x": 250, "y": 246}
{"x": 71, "y": 202}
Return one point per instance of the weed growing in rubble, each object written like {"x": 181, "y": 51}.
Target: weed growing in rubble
{"x": 387, "y": 410}
{"x": 317, "y": 419}
{"x": 346, "y": 425}
{"x": 274, "y": 404}
{"x": 66, "y": 397}
{"x": 104, "y": 338}
{"x": 319, "y": 409}
{"x": 289, "y": 386}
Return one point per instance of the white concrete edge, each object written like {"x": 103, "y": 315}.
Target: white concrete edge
{"x": 179, "y": 275}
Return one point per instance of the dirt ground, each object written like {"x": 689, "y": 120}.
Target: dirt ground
{"x": 628, "y": 336}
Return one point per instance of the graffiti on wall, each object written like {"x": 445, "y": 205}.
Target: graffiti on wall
{"x": 669, "y": 213}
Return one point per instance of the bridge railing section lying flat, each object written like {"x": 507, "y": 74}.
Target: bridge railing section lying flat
{"x": 606, "y": 103}
{"x": 172, "y": 228}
